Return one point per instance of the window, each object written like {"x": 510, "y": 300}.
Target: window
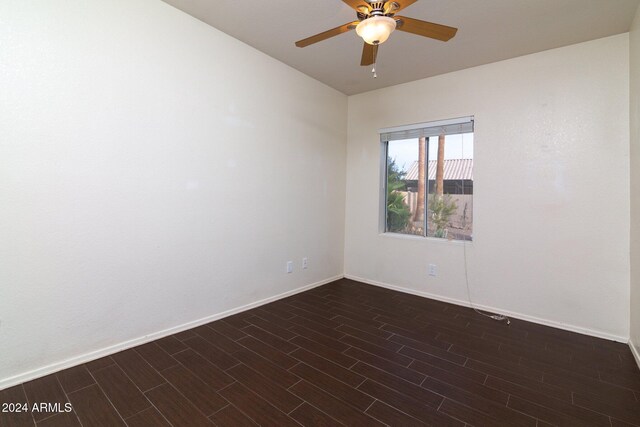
{"x": 427, "y": 185}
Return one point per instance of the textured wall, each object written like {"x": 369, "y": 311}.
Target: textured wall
{"x": 551, "y": 149}
{"x": 634, "y": 51}
{"x": 153, "y": 172}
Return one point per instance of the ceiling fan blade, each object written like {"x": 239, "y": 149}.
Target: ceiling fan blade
{"x": 359, "y": 5}
{"x": 395, "y": 6}
{"x": 426, "y": 29}
{"x": 327, "y": 34}
{"x": 369, "y": 53}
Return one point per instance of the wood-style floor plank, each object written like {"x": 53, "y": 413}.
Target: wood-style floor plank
{"x": 270, "y": 339}
{"x": 185, "y": 335}
{"x": 43, "y": 393}
{"x": 156, "y": 356}
{"x": 231, "y": 416}
{"x": 384, "y": 353}
{"x": 408, "y": 405}
{"x": 210, "y": 352}
{"x": 138, "y": 370}
{"x": 98, "y": 364}
{"x": 270, "y": 353}
{"x": 147, "y": 418}
{"x": 348, "y": 354}
{"x": 320, "y": 338}
{"x": 64, "y": 419}
{"x": 331, "y": 385}
{"x": 336, "y": 408}
{"x": 223, "y": 328}
{"x": 628, "y": 412}
{"x": 219, "y": 340}
{"x": 386, "y": 365}
{"x": 171, "y": 345}
{"x": 316, "y": 327}
{"x": 322, "y": 350}
{"x": 374, "y": 339}
{"x": 328, "y": 367}
{"x": 428, "y": 348}
{"x": 176, "y": 408}
{"x": 272, "y": 325}
{"x": 15, "y": 417}
{"x": 368, "y": 327}
{"x": 205, "y": 398}
{"x": 468, "y": 415}
{"x": 398, "y": 384}
{"x": 392, "y": 416}
{"x": 263, "y": 387}
{"x": 544, "y": 414}
{"x": 479, "y": 403}
{"x": 258, "y": 409}
{"x": 75, "y": 378}
{"x": 205, "y": 370}
{"x": 307, "y": 415}
{"x": 121, "y": 391}
{"x": 462, "y": 382}
{"x": 94, "y": 409}
{"x": 275, "y": 373}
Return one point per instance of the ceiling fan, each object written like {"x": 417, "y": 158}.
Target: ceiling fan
{"x": 376, "y": 21}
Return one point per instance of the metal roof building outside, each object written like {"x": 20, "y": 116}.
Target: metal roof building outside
{"x": 454, "y": 169}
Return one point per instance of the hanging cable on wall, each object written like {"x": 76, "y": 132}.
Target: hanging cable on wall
{"x": 497, "y": 317}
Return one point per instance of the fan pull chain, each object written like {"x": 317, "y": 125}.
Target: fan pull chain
{"x": 375, "y": 60}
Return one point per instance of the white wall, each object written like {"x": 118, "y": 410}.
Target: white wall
{"x": 551, "y": 150}
{"x": 153, "y": 172}
{"x": 634, "y": 51}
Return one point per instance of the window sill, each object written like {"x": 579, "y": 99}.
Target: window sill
{"x": 425, "y": 239}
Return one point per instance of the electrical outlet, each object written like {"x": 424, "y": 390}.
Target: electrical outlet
{"x": 289, "y": 266}
{"x": 305, "y": 263}
{"x": 433, "y": 270}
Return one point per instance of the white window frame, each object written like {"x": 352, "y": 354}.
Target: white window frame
{"x": 448, "y": 127}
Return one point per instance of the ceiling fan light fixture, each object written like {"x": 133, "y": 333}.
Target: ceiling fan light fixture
{"x": 376, "y": 29}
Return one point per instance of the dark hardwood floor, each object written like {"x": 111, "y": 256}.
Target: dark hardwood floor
{"x": 348, "y": 354}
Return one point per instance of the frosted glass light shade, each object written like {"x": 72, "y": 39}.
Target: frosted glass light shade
{"x": 376, "y": 30}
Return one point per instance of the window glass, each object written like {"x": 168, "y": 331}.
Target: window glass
{"x": 429, "y": 186}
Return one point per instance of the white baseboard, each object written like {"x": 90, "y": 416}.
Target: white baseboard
{"x": 635, "y": 351}
{"x": 552, "y": 323}
{"x": 88, "y": 357}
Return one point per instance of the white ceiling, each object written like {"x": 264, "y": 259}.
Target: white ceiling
{"x": 489, "y": 31}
